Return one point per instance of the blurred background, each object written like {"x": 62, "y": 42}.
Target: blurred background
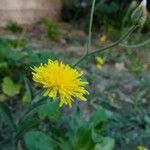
{"x": 31, "y": 32}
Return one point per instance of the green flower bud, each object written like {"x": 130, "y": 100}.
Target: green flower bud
{"x": 139, "y": 15}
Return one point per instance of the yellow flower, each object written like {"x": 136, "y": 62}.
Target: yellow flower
{"x": 61, "y": 81}
{"x": 100, "y": 62}
{"x": 103, "y": 39}
{"x": 141, "y": 148}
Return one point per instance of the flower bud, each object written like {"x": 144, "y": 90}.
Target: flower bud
{"x": 133, "y": 4}
{"x": 139, "y": 15}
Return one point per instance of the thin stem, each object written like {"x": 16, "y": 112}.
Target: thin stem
{"x": 115, "y": 43}
{"x": 136, "y": 45}
{"x": 108, "y": 46}
{"x": 90, "y": 26}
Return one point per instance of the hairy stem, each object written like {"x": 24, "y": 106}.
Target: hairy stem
{"x": 108, "y": 46}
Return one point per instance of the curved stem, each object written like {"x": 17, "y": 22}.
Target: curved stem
{"x": 136, "y": 45}
{"x": 108, "y": 46}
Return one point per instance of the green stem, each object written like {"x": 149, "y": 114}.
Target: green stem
{"x": 108, "y": 46}
{"x": 136, "y": 45}
{"x": 90, "y": 26}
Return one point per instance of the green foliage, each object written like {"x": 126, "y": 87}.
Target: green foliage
{"x": 25, "y": 126}
{"x": 29, "y": 89}
{"x": 98, "y": 117}
{"x": 9, "y": 87}
{"x": 136, "y": 65}
{"x": 15, "y": 63}
{"x": 79, "y": 134}
{"x": 106, "y": 144}
{"x": 7, "y": 116}
{"x": 86, "y": 134}
{"x": 14, "y": 27}
{"x": 36, "y": 140}
{"x": 147, "y": 24}
{"x": 49, "y": 110}
{"x": 17, "y": 43}
{"x": 26, "y": 98}
{"x": 52, "y": 29}
{"x": 7, "y": 53}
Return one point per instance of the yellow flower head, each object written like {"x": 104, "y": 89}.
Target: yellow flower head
{"x": 61, "y": 81}
{"x": 100, "y": 62}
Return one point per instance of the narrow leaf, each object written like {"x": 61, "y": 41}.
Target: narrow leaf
{"x": 26, "y": 126}
{"x": 6, "y": 114}
{"x": 29, "y": 88}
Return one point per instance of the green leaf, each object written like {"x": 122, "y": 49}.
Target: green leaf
{"x": 106, "y": 144}
{"x": 33, "y": 58}
{"x": 6, "y": 114}
{"x": 3, "y": 65}
{"x": 3, "y": 98}
{"x": 29, "y": 88}
{"x": 96, "y": 137}
{"x": 26, "y": 126}
{"x": 7, "y": 53}
{"x": 36, "y": 140}
{"x": 9, "y": 87}
{"x": 44, "y": 56}
{"x": 64, "y": 144}
{"x": 16, "y": 56}
{"x": 4, "y": 68}
{"x": 32, "y": 109}
{"x": 26, "y": 98}
{"x": 49, "y": 110}
{"x": 100, "y": 116}
{"x": 83, "y": 139}
{"x": 77, "y": 120}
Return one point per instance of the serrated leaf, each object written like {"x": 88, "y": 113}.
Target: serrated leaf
{"x": 9, "y": 87}
{"x": 36, "y": 140}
